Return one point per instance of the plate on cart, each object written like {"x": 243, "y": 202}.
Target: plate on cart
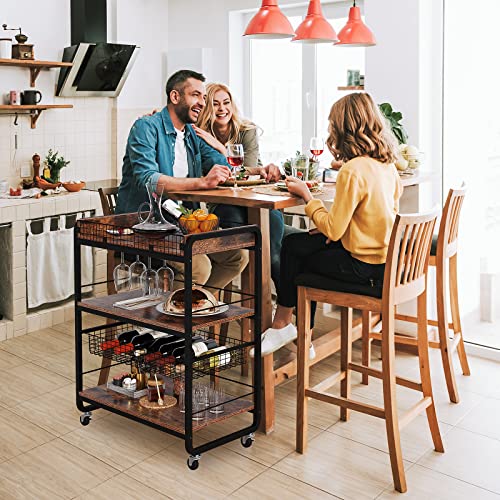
{"x": 221, "y": 309}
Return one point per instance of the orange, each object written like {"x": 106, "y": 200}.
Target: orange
{"x": 201, "y": 216}
{"x": 208, "y": 225}
{"x": 211, "y": 217}
{"x": 199, "y": 211}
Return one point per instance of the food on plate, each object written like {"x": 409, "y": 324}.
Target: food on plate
{"x": 314, "y": 184}
{"x": 15, "y": 192}
{"x": 201, "y": 299}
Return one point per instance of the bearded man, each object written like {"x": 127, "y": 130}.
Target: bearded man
{"x": 164, "y": 150}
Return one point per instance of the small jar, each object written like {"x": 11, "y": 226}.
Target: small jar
{"x": 5, "y": 48}
{"x": 153, "y": 389}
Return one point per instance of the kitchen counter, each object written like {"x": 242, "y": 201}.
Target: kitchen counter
{"x": 106, "y": 183}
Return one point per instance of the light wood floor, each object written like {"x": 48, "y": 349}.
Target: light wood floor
{"x": 46, "y": 454}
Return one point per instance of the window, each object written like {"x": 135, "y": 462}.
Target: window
{"x": 292, "y": 87}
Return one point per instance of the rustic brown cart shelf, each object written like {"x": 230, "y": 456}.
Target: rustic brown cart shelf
{"x": 115, "y": 234}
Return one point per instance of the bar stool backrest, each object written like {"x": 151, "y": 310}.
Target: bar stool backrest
{"x": 108, "y": 200}
{"x": 448, "y": 227}
{"x": 408, "y": 257}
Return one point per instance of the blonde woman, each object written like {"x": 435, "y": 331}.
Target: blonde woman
{"x": 220, "y": 124}
{"x": 353, "y": 237}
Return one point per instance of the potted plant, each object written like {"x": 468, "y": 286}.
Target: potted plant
{"x": 53, "y": 166}
{"x": 394, "y": 118}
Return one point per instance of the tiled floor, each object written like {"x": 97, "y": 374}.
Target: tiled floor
{"x": 46, "y": 454}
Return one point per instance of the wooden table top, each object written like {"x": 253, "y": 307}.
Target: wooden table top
{"x": 249, "y": 197}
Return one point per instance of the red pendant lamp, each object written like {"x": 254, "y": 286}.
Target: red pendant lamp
{"x": 315, "y": 28}
{"x": 355, "y": 33}
{"x": 269, "y": 22}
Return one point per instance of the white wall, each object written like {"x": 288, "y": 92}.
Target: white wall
{"x": 92, "y": 135}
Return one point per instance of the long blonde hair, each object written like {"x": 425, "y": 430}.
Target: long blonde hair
{"x": 207, "y": 116}
{"x": 357, "y": 128}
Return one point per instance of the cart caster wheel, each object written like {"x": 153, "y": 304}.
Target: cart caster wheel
{"x": 193, "y": 461}
{"x": 247, "y": 441}
{"x": 85, "y": 418}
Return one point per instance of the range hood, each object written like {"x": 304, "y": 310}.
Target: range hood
{"x": 99, "y": 68}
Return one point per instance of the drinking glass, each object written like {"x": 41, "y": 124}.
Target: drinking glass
{"x": 300, "y": 167}
{"x": 165, "y": 279}
{"x": 316, "y": 146}
{"x": 217, "y": 397}
{"x": 182, "y": 401}
{"x": 198, "y": 403}
{"x": 136, "y": 269}
{"x": 149, "y": 280}
{"x": 121, "y": 275}
{"x": 235, "y": 157}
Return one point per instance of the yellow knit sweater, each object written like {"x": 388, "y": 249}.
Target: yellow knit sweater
{"x": 364, "y": 209}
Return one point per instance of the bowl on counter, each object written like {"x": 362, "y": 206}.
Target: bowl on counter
{"x": 73, "y": 187}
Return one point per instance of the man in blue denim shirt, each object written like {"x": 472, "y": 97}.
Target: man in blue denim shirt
{"x": 165, "y": 150}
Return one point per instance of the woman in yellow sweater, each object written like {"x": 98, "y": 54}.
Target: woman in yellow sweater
{"x": 353, "y": 237}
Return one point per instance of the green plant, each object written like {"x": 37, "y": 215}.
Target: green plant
{"x": 55, "y": 164}
{"x": 394, "y": 118}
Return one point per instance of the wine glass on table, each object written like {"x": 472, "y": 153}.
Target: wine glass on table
{"x": 235, "y": 157}
{"x": 316, "y": 146}
{"x": 121, "y": 275}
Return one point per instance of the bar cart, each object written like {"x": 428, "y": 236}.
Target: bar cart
{"x": 114, "y": 233}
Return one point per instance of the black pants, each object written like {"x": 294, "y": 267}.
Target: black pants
{"x": 305, "y": 253}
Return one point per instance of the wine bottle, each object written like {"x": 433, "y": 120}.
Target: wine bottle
{"x": 199, "y": 346}
{"x": 221, "y": 359}
{"x": 126, "y": 337}
{"x": 142, "y": 340}
{"x": 169, "y": 347}
{"x": 155, "y": 345}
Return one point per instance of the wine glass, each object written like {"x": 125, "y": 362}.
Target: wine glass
{"x": 165, "y": 279}
{"x": 149, "y": 280}
{"x": 316, "y": 146}
{"x": 136, "y": 269}
{"x": 235, "y": 157}
{"x": 121, "y": 275}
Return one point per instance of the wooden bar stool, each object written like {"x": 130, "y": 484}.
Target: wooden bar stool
{"x": 444, "y": 248}
{"x": 404, "y": 279}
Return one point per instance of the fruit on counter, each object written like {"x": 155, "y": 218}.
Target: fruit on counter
{"x": 401, "y": 164}
{"x": 15, "y": 192}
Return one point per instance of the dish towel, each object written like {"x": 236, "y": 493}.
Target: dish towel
{"x": 50, "y": 264}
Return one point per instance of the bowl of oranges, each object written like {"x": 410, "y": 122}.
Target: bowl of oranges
{"x": 198, "y": 221}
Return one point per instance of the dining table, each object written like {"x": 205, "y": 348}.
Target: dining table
{"x": 259, "y": 200}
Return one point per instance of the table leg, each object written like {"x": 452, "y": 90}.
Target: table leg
{"x": 260, "y": 217}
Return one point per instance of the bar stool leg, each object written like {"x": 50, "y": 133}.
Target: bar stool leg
{"x": 455, "y": 315}
{"x": 345, "y": 357}
{"x": 303, "y": 341}
{"x": 425, "y": 374}
{"x": 390, "y": 407}
{"x": 444, "y": 341}
{"x": 366, "y": 343}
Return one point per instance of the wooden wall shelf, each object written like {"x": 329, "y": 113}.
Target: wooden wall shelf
{"x": 34, "y": 66}
{"x": 34, "y": 110}
{"x": 352, "y": 87}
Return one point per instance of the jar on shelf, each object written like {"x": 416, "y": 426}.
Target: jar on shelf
{"x": 5, "y": 48}
{"x": 153, "y": 389}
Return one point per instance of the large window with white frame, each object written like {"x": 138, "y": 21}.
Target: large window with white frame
{"x": 292, "y": 86}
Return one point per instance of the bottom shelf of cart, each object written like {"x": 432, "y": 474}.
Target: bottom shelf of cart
{"x": 169, "y": 418}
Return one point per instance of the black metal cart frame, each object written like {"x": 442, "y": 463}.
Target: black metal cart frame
{"x": 87, "y": 404}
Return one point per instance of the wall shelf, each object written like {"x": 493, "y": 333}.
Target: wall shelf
{"x": 352, "y": 87}
{"x": 34, "y": 110}
{"x": 34, "y": 66}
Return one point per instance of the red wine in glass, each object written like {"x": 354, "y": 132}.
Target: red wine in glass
{"x": 235, "y": 157}
{"x": 316, "y": 146}
{"x": 235, "y": 161}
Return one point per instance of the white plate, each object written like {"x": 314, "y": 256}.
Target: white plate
{"x": 221, "y": 309}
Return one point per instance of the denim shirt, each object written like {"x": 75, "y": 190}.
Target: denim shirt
{"x": 150, "y": 153}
